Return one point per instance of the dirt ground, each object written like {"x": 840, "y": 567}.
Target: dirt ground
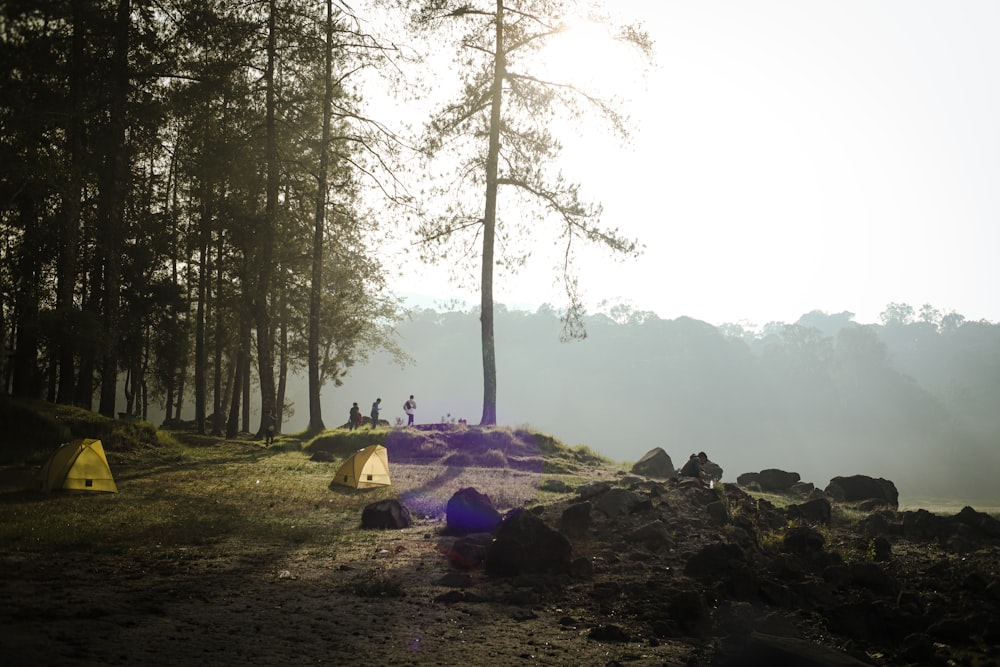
{"x": 392, "y": 598}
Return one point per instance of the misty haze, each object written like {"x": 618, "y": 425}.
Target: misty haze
{"x": 911, "y": 400}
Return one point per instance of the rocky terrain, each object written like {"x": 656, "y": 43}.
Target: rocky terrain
{"x": 628, "y": 570}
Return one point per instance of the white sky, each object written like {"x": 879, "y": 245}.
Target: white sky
{"x": 788, "y": 156}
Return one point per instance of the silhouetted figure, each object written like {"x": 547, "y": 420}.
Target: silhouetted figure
{"x": 695, "y": 466}
{"x": 354, "y": 418}
{"x": 409, "y": 408}
{"x": 272, "y": 425}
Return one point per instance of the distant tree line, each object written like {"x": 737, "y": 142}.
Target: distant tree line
{"x": 913, "y": 399}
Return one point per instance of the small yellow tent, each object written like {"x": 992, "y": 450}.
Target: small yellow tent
{"x": 79, "y": 465}
{"x": 365, "y": 468}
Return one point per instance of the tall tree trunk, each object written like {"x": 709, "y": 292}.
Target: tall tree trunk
{"x": 70, "y": 233}
{"x": 233, "y": 424}
{"x": 489, "y": 229}
{"x": 3, "y": 354}
{"x": 245, "y": 344}
{"x": 114, "y": 209}
{"x": 227, "y": 392}
{"x": 200, "y": 351}
{"x": 27, "y": 382}
{"x": 83, "y": 395}
{"x": 217, "y": 398}
{"x": 279, "y": 400}
{"x": 182, "y": 374}
{"x": 171, "y": 205}
{"x": 262, "y": 317}
{"x": 204, "y": 279}
{"x": 315, "y": 410}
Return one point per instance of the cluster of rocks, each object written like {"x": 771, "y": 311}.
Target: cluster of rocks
{"x": 641, "y": 559}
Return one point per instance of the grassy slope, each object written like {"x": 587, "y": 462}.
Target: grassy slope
{"x": 178, "y": 488}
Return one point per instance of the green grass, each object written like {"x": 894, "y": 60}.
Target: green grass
{"x": 211, "y": 497}
{"x": 189, "y": 491}
{"x": 948, "y": 506}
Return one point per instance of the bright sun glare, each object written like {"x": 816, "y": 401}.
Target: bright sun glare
{"x": 584, "y": 54}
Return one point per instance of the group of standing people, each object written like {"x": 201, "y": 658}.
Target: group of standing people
{"x": 355, "y": 419}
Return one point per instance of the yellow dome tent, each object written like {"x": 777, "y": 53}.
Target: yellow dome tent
{"x": 79, "y": 465}
{"x": 365, "y": 468}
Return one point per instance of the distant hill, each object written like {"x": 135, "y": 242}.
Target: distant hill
{"x": 910, "y": 401}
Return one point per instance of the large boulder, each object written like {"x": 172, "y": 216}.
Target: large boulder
{"x": 655, "y": 463}
{"x": 525, "y": 544}
{"x": 713, "y": 470}
{"x": 763, "y": 649}
{"x": 386, "y": 515}
{"x": 812, "y": 511}
{"x": 772, "y": 480}
{"x": 470, "y": 511}
{"x": 576, "y": 519}
{"x": 617, "y": 503}
{"x": 862, "y": 487}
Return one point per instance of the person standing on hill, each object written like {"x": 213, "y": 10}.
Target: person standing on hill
{"x": 376, "y": 406}
{"x": 354, "y": 417}
{"x": 409, "y": 408}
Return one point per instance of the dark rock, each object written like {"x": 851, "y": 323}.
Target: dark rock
{"x": 878, "y": 523}
{"x": 555, "y": 486}
{"x": 386, "y": 515}
{"x": 609, "y": 633}
{"x": 452, "y": 597}
{"x": 875, "y": 620}
{"x": 582, "y": 568}
{"x": 718, "y": 512}
{"x": 592, "y": 490}
{"x": 691, "y": 613}
{"x": 774, "y": 651}
{"x": 469, "y": 551}
{"x": 804, "y": 489}
{"x": 655, "y": 463}
{"x": 455, "y": 580}
{"x": 925, "y": 526}
{"x": 881, "y": 549}
{"x": 714, "y": 470}
{"x": 863, "y": 487}
{"x": 874, "y": 578}
{"x": 802, "y": 539}
{"x": 771, "y": 480}
{"x": 714, "y": 561}
{"x": 985, "y": 525}
{"x": 778, "y": 481}
{"x": 470, "y": 511}
{"x": 654, "y": 536}
{"x": 953, "y": 630}
{"x": 576, "y": 519}
{"x": 777, "y": 594}
{"x": 812, "y": 511}
{"x": 526, "y": 544}
{"x": 617, "y": 503}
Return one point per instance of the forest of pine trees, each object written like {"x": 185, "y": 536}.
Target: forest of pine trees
{"x": 181, "y": 204}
